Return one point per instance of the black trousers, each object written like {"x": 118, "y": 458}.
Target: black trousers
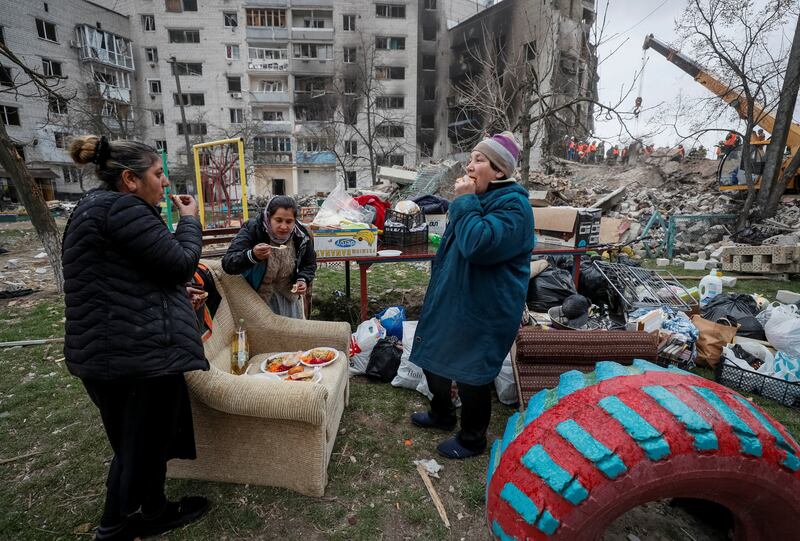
{"x": 476, "y": 409}
{"x": 148, "y": 422}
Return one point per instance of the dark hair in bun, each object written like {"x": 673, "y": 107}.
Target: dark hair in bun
{"x": 111, "y": 158}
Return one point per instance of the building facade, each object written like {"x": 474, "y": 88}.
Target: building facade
{"x": 90, "y": 47}
{"x": 321, "y": 91}
{"x": 535, "y": 50}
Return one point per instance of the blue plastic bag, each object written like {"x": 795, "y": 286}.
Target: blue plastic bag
{"x": 392, "y": 319}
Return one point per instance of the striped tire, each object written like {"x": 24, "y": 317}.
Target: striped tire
{"x": 602, "y": 443}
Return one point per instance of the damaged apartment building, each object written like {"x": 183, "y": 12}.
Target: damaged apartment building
{"x": 301, "y": 81}
{"x": 501, "y": 61}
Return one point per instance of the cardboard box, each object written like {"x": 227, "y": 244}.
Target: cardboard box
{"x": 567, "y": 226}
{"x": 346, "y": 242}
{"x": 539, "y": 198}
{"x": 650, "y": 322}
{"x": 436, "y": 223}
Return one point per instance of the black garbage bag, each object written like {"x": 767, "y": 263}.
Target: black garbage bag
{"x": 738, "y": 309}
{"x": 432, "y": 204}
{"x": 549, "y": 289}
{"x": 563, "y": 262}
{"x": 592, "y": 284}
{"x": 385, "y": 359}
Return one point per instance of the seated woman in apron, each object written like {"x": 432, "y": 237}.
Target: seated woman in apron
{"x": 275, "y": 254}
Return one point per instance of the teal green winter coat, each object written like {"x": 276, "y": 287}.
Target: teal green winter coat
{"x": 479, "y": 280}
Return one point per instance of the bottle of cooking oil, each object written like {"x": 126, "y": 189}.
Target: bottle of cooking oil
{"x": 240, "y": 350}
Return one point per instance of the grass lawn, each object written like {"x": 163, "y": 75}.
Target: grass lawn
{"x": 54, "y": 454}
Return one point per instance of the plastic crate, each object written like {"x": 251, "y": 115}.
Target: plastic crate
{"x": 784, "y": 392}
{"x": 409, "y": 221}
{"x": 401, "y": 236}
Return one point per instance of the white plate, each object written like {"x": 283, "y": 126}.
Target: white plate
{"x": 272, "y": 376}
{"x": 320, "y": 364}
{"x": 266, "y": 362}
{"x": 389, "y": 253}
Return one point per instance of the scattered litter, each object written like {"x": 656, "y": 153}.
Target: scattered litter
{"x": 431, "y": 466}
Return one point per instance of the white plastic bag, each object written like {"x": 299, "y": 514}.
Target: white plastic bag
{"x": 410, "y": 375}
{"x": 783, "y": 329}
{"x": 755, "y": 349}
{"x": 339, "y": 206}
{"x": 764, "y": 315}
{"x": 361, "y": 344}
{"x": 504, "y": 383}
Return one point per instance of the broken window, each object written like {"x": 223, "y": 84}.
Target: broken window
{"x": 6, "y": 77}
{"x": 390, "y": 102}
{"x": 46, "y": 30}
{"x": 154, "y": 85}
{"x": 390, "y": 72}
{"x": 230, "y": 19}
{"x": 57, "y": 105}
{"x": 392, "y": 11}
{"x": 192, "y": 128}
{"x": 350, "y": 178}
{"x": 237, "y": 116}
{"x": 188, "y": 68}
{"x": 184, "y": 36}
{"x": 390, "y": 43}
{"x": 389, "y": 129}
{"x": 189, "y": 99}
{"x": 149, "y": 23}
{"x": 51, "y": 68}
{"x": 61, "y": 139}
{"x": 151, "y": 54}
{"x": 234, "y": 84}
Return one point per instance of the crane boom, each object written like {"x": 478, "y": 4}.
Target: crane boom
{"x": 732, "y": 97}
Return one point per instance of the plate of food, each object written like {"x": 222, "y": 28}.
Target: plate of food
{"x": 319, "y": 357}
{"x": 280, "y": 363}
{"x": 296, "y": 373}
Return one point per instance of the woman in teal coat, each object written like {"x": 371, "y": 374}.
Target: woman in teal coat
{"x": 476, "y": 294}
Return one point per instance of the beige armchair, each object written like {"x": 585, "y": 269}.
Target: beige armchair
{"x": 255, "y": 431}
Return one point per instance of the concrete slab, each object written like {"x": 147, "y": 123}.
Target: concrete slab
{"x": 695, "y": 265}
{"x": 787, "y": 297}
{"x": 662, "y": 262}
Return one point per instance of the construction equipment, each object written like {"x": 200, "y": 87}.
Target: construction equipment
{"x": 730, "y": 173}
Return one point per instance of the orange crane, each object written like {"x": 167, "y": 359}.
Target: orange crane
{"x": 730, "y": 173}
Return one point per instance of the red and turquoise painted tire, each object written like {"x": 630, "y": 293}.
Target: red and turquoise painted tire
{"x": 599, "y": 444}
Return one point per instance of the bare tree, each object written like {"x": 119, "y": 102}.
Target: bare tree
{"x": 773, "y": 183}
{"x": 30, "y": 83}
{"x": 534, "y": 89}
{"x": 731, "y": 39}
{"x": 365, "y": 127}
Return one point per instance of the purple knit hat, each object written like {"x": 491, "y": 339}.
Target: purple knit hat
{"x": 502, "y": 150}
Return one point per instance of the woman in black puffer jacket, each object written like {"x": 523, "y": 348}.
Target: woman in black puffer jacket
{"x": 131, "y": 331}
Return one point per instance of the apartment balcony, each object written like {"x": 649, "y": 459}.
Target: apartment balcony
{"x": 267, "y": 3}
{"x": 274, "y": 33}
{"x": 311, "y": 4}
{"x": 103, "y": 47}
{"x": 312, "y": 66}
{"x": 110, "y": 92}
{"x": 325, "y": 157}
{"x": 261, "y": 157}
{"x": 265, "y": 65}
{"x": 275, "y": 126}
{"x": 270, "y": 97}
{"x": 312, "y": 34}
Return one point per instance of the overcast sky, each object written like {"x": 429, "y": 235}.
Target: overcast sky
{"x": 629, "y": 21}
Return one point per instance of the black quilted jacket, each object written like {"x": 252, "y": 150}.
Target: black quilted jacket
{"x": 127, "y": 312}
